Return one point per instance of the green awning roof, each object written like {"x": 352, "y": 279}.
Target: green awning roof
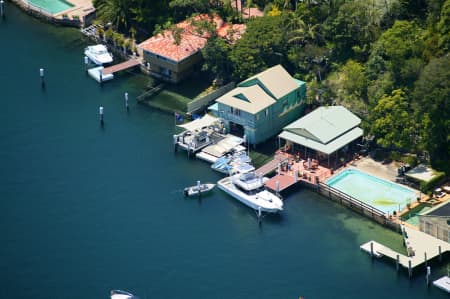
{"x": 328, "y": 148}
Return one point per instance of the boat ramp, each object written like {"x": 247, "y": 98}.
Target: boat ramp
{"x": 421, "y": 249}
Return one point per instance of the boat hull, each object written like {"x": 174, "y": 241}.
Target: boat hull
{"x": 249, "y": 200}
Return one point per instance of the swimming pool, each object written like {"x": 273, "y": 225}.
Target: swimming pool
{"x": 51, "y": 6}
{"x": 378, "y": 193}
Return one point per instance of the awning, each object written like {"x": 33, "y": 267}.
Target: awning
{"x": 328, "y": 148}
{"x": 199, "y": 123}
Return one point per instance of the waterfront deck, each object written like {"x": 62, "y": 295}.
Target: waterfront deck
{"x": 290, "y": 171}
{"x": 272, "y": 165}
{"x": 422, "y": 248}
{"x": 121, "y": 66}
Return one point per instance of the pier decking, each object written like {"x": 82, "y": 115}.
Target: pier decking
{"x": 423, "y": 248}
{"x": 121, "y": 66}
{"x": 290, "y": 171}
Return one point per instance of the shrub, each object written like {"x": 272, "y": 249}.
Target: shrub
{"x": 428, "y": 187}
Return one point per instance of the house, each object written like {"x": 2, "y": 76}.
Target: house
{"x": 262, "y": 105}
{"x": 436, "y": 221}
{"x": 173, "y": 54}
{"x": 323, "y": 131}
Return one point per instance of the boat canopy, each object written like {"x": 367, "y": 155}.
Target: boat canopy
{"x": 198, "y": 124}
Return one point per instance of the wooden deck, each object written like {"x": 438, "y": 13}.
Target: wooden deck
{"x": 121, "y": 66}
{"x": 423, "y": 247}
{"x": 292, "y": 171}
{"x": 271, "y": 165}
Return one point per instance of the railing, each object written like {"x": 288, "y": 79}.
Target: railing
{"x": 200, "y": 103}
{"x": 351, "y": 200}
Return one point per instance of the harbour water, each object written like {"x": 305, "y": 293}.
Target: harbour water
{"x": 86, "y": 210}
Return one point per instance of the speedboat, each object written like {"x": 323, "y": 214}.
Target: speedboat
{"x": 198, "y": 189}
{"x": 118, "y": 294}
{"x": 233, "y": 162}
{"x": 250, "y": 190}
{"x": 98, "y": 54}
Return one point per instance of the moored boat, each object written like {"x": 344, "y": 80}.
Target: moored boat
{"x": 249, "y": 189}
{"x": 119, "y": 294}
{"x": 198, "y": 189}
{"x": 98, "y": 54}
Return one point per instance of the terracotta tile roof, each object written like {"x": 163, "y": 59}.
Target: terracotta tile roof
{"x": 191, "y": 41}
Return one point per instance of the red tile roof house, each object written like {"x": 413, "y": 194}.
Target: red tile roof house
{"x": 174, "y": 62}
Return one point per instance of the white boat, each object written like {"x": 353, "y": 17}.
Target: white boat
{"x": 198, "y": 189}
{"x": 249, "y": 189}
{"x": 234, "y": 163}
{"x": 118, "y": 294}
{"x": 98, "y": 54}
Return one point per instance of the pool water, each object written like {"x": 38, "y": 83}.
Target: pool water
{"x": 413, "y": 217}
{"x": 378, "y": 193}
{"x": 52, "y": 6}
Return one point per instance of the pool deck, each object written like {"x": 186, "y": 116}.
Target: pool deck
{"x": 422, "y": 247}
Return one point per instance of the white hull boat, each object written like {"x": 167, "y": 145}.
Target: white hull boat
{"x": 249, "y": 189}
{"x": 198, "y": 189}
{"x": 98, "y": 54}
{"x": 118, "y": 294}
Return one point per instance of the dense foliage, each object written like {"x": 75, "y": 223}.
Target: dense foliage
{"x": 386, "y": 60}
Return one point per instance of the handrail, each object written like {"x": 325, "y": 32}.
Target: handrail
{"x": 352, "y": 199}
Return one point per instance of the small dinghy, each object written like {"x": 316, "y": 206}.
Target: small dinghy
{"x": 198, "y": 189}
{"x": 118, "y": 294}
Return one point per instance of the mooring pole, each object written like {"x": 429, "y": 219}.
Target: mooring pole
{"x": 398, "y": 262}
{"x": 86, "y": 62}
{"x": 428, "y": 275}
{"x": 42, "y": 75}
{"x": 409, "y": 269}
{"x": 425, "y": 257}
{"x": 371, "y": 249}
{"x": 100, "y": 112}
{"x": 2, "y": 8}
{"x": 440, "y": 253}
{"x": 126, "y": 101}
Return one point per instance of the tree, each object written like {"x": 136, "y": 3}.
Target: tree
{"x": 444, "y": 26}
{"x": 391, "y": 121}
{"x": 260, "y": 47}
{"x": 216, "y": 61}
{"x": 432, "y": 102}
{"x": 354, "y": 29}
{"x": 354, "y": 79}
{"x": 395, "y": 52}
{"x": 115, "y": 11}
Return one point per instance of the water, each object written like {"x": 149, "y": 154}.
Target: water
{"x": 52, "y": 6}
{"x": 383, "y": 195}
{"x": 86, "y": 210}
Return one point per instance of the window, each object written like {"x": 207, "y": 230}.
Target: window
{"x": 235, "y": 111}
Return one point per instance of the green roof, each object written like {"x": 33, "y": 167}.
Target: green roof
{"x": 324, "y": 124}
{"x": 328, "y": 148}
{"x": 326, "y": 129}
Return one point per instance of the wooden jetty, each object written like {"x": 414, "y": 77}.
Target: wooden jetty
{"x": 121, "y": 66}
{"x": 150, "y": 92}
{"x": 272, "y": 164}
{"x": 420, "y": 246}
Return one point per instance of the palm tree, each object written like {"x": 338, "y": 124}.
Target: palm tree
{"x": 115, "y": 11}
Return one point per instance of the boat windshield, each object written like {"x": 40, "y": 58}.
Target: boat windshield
{"x": 251, "y": 192}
